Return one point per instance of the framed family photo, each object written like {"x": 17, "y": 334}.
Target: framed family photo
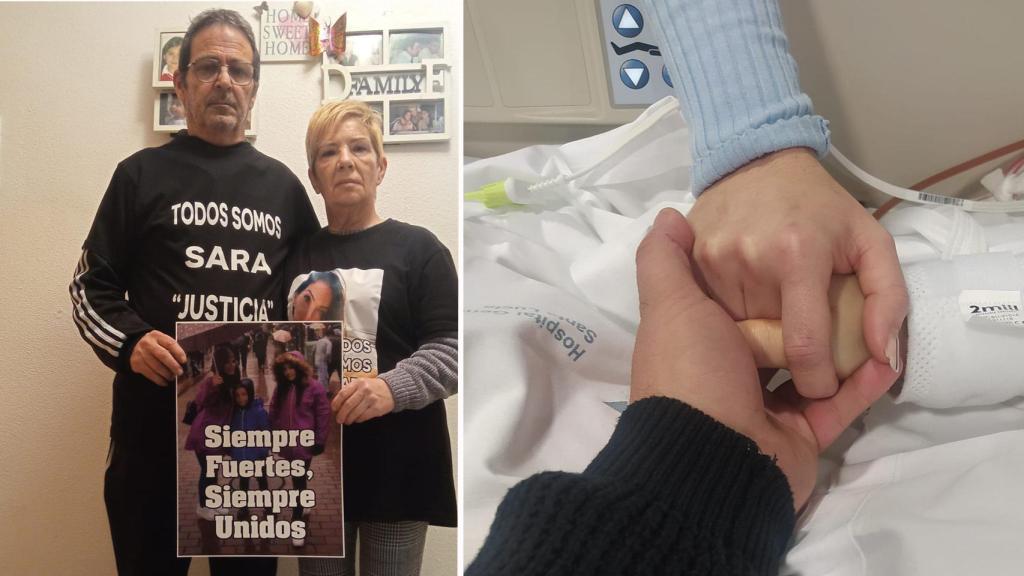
{"x": 416, "y": 120}
{"x": 362, "y": 49}
{"x": 168, "y": 112}
{"x": 165, "y": 56}
{"x": 401, "y": 72}
{"x": 410, "y": 46}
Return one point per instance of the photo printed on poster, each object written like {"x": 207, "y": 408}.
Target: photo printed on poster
{"x": 258, "y": 450}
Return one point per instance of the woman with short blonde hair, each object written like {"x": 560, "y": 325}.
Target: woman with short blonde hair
{"x": 401, "y": 324}
{"x": 328, "y": 116}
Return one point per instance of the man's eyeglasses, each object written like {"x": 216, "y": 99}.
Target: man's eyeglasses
{"x": 208, "y": 69}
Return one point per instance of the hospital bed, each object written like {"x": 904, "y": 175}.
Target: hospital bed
{"x": 920, "y": 484}
{"x": 914, "y": 487}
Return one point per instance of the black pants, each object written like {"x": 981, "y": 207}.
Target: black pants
{"x": 299, "y": 483}
{"x": 243, "y": 566}
{"x": 203, "y": 480}
{"x": 140, "y": 492}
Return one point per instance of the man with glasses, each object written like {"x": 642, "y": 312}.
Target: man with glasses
{"x": 196, "y": 229}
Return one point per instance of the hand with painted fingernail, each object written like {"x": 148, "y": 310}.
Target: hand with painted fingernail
{"x": 689, "y": 348}
{"x": 770, "y": 237}
{"x": 849, "y": 350}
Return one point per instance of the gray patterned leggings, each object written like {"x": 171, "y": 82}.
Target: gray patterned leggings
{"x": 385, "y": 549}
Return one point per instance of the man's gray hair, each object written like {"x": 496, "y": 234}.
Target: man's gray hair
{"x": 213, "y": 17}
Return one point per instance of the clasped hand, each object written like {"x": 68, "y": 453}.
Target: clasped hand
{"x": 689, "y": 348}
{"x": 769, "y": 238}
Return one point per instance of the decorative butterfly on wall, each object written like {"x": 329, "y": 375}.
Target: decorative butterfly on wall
{"x": 332, "y": 42}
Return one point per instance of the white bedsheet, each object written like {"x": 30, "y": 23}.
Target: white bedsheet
{"x": 550, "y": 302}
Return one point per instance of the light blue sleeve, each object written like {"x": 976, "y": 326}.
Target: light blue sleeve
{"x": 730, "y": 64}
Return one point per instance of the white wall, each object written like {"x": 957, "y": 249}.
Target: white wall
{"x": 75, "y": 98}
{"x": 915, "y": 86}
{"x": 912, "y": 87}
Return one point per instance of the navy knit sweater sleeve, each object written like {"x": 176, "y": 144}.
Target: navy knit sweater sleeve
{"x": 673, "y": 492}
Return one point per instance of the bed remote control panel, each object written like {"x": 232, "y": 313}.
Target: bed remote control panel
{"x": 636, "y": 72}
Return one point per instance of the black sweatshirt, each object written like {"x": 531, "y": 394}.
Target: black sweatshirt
{"x": 673, "y": 492}
{"x": 188, "y": 231}
{"x": 398, "y": 466}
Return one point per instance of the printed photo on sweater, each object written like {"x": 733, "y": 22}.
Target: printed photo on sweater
{"x": 259, "y": 453}
{"x": 351, "y": 295}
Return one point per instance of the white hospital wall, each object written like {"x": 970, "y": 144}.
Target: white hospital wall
{"x": 916, "y": 86}
{"x": 76, "y": 98}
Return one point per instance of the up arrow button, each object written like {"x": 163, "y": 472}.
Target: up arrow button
{"x": 627, "y": 20}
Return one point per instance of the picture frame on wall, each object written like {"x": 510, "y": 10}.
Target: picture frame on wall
{"x": 362, "y": 49}
{"x": 414, "y": 45}
{"x": 416, "y": 120}
{"x": 283, "y": 34}
{"x": 169, "y": 114}
{"x": 165, "y": 56}
{"x": 409, "y": 86}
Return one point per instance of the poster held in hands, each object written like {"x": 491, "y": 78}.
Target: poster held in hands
{"x": 261, "y": 457}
